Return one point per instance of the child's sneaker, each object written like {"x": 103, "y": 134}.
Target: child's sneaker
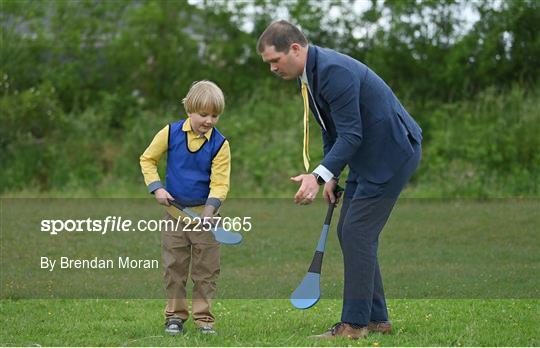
{"x": 207, "y": 330}
{"x": 174, "y": 327}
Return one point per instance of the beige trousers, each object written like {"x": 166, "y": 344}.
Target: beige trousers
{"x": 181, "y": 247}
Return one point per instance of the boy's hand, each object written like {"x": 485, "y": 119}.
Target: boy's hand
{"x": 208, "y": 212}
{"x": 207, "y": 215}
{"x": 162, "y": 196}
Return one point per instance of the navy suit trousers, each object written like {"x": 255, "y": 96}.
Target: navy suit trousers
{"x": 363, "y": 217}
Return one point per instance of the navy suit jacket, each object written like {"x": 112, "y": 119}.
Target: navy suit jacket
{"x": 366, "y": 126}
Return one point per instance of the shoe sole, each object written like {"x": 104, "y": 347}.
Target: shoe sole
{"x": 207, "y": 332}
{"x": 381, "y": 330}
{"x": 174, "y": 333}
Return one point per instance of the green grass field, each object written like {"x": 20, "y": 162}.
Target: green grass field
{"x": 457, "y": 272}
{"x": 267, "y": 323}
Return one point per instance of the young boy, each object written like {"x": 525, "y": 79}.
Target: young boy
{"x": 198, "y": 170}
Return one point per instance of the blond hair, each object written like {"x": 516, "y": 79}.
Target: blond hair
{"x": 204, "y": 96}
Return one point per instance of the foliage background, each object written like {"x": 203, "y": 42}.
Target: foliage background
{"x": 86, "y": 84}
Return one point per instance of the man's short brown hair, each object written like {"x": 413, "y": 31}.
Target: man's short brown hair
{"x": 281, "y": 35}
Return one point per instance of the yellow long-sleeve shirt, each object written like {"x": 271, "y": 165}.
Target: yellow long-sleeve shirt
{"x": 220, "y": 172}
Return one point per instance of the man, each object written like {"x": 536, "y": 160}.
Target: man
{"x": 365, "y": 127}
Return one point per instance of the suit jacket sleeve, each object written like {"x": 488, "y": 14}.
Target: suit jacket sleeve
{"x": 342, "y": 93}
{"x": 327, "y": 142}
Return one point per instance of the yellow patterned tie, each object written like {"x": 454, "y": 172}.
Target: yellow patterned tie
{"x": 306, "y": 126}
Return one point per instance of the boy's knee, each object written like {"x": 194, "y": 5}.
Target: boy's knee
{"x": 205, "y": 270}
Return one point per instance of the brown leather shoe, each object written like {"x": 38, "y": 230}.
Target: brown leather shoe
{"x": 384, "y": 327}
{"x": 343, "y": 330}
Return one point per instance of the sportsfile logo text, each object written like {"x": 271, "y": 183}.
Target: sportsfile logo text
{"x": 119, "y": 224}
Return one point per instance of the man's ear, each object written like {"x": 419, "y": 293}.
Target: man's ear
{"x": 295, "y": 47}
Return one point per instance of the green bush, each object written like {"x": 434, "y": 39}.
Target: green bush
{"x": 32, "y": 124}
{"x": 485, "y": 147}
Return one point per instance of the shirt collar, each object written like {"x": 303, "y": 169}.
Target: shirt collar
{"x": 186, "y": 127}
{"x": 303, "y": 78}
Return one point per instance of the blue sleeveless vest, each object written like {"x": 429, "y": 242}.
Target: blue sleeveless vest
{"x": 188, "y": 173}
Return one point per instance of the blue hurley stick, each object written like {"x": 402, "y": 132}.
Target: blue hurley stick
{"x": 307, "y": 294}
{"x": 222, "y": 235}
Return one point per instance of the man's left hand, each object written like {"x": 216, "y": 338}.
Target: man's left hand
{"x": 308, "y": 188}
